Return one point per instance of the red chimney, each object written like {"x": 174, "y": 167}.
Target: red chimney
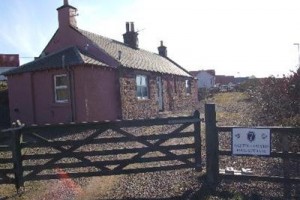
{"x": 67, "y": 15}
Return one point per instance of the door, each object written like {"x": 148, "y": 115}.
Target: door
{"x": 160, "y": 93}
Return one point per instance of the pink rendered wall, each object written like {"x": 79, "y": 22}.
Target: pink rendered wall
{"x": 96, "y": 94}
{"x": 46, "y": 109}
{"x": 20, "y": 98}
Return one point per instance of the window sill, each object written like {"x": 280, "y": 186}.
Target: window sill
{"x": 143, "y": 99}
{"x": 60, "y": 104}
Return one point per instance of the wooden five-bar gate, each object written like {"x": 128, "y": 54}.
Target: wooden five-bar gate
{"x": 136, "y": 146}
{"x": 97, "y": 149}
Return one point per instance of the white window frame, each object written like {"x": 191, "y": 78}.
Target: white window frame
{"x": 140, "y": 85}
{"x": 60, "y": 88}
{"x": 188, "y": 86}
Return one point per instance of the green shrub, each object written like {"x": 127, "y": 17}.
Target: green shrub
{"x": 3, "y": 85}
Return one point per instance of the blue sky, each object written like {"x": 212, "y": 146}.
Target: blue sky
{"x": 234, "y": 37}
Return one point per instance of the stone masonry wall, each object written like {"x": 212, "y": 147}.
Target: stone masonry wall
{"x": 175, "y": 100}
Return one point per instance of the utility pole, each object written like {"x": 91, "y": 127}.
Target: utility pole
{"x": 298, "y": 46}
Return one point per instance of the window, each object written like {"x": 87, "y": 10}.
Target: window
{"x": 141, "y": 87}
{"x": 175, "y": 85}
{"x": 61, "y": 88}
{"x": 188, "y": 88}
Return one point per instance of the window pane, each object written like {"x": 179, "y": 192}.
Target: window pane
{"x": 139, "y": 91}
{"x": 143, "y": 81}
{"x": 62, "y": 94}
{"x": 138, "y": 80}
{"x": 61, "y": 80}
{"x": 144, "y": 92}
{"x": 188, "y": 86}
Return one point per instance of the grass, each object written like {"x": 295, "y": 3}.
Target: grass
{"x": 231, "y": 107}
{"x": 230, "y": 97}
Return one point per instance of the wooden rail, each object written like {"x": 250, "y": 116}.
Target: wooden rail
{"x": 186, "y": 153}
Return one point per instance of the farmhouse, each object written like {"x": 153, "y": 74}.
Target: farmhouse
{"x": 82, "y": 76}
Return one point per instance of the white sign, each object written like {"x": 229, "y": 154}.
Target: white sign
{"x": 247, "y": 141}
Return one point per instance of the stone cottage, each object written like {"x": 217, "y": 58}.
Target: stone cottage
{"x": 82, "y": 76}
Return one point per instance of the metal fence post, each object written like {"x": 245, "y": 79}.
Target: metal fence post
{"x": 212, "y": 146}
{"x": 197, "y": 135}
{"x": 17, "y": 158}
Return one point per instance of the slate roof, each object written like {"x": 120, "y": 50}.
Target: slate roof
{"x": 72, "y": 56}
{"x": 135, "y": 58}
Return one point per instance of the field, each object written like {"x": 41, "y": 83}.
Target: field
{"x": 232, "y": 109}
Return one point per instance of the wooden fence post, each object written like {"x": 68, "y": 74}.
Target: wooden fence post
{"x": 197, "y": 135}
{"x": 212, "y": 146}
{"x": 286, "y": 174}
{"x": 17, "y": 158}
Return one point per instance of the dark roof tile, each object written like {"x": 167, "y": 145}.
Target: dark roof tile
{"x": 72, "y": 56}
{"x": 135, "y": 58}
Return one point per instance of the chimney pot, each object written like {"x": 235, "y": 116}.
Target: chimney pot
{"x": 127, "y": 27}
{"x": 132, "y": 26}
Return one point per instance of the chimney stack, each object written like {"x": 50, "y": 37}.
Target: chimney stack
{"x": 131, "y": 37}
{"x": 67, "y": 15}
{"x": 127, "y": 27}
{"x": 162, "y": 50}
